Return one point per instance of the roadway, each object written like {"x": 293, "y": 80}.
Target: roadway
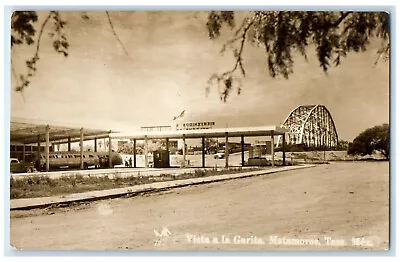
{"x": 341, "y": 200}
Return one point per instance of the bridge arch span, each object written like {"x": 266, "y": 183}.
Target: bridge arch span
{"x": 311, "y": 125}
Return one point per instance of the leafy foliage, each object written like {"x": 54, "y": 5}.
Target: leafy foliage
{"x": 375, "y": 138}
{"x": 23, "y": 32}
{"x": 217, "y": 19}
{"x": 343, "y": 145}
{"x": 281, "y": 33}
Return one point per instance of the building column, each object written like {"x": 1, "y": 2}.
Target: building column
{"x": 146, "y": 159}
{"x": 95, "y": 144}
{"x": 38, "y": 153}
{"x": 242, "y": 143}
{"x": 81, "y": 149}
{"x": 167, "y": 148}
{"x": 203, "y": 149}
{"x": 272, "y": 151}
{"x": 226, "y": 150}
{"x": 23, "y": 153}
{"x": 184, "y": 151}
{"x": 46, "y": 148}
{"x": 134, "y": 152}
{"x": 109, "y": 151}
{"x": 283, "y": 150}
{"x": 69, "y": 143}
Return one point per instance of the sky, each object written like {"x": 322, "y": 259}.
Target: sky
{"x": 170, "y": 60}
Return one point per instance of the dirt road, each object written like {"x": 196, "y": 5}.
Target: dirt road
{"x": 294, "y": 210}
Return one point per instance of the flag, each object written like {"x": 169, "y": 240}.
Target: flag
{"x": 182, "y": 114}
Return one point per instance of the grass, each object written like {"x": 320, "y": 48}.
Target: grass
{"x": 44, "y": 186}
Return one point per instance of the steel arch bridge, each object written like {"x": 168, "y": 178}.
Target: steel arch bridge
{"x": 311, "y": 125}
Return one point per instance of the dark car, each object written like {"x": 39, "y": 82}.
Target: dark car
{"x": 19, "y": 167}
{"x": 220, "y": 154}
{"x": 116, "y": 159}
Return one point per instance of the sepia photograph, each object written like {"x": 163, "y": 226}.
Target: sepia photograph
{"x": 199, "y": 130}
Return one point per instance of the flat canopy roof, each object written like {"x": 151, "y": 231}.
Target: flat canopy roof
{"x": 28, "y": 131}
{"x": 220, "y": 132}
{"x": 24, "y": 132}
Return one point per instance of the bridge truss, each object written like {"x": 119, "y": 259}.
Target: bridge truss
{"x": 311, "y": 125}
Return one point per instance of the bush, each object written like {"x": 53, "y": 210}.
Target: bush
{"x": 200, "y": 173}
{"x": 372, "y": 139}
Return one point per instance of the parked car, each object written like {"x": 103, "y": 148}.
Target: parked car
{"x": 19, "y": 167}
{"x": 116, "y": 159}
{"x": 220, "y": 154}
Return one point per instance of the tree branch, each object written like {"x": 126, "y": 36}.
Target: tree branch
{"x": 14, "y": 72}
{"x": 341, "y": 18}
{"x": 383, "y": 52}
{"x": 227, "y": 79}
{"x": 229, "y": 43}
{"x": 239, "y": 58}
{"x": 32, "y": 62}
{"x": 241, "y": 26}
{"x": 115, "y": 34}
{"x": 40, "y": 34}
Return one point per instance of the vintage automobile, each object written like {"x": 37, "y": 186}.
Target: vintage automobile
{"x": 20, "y": 167}
{"x": 116, "y": 159}
{"x": 220, "y": 154}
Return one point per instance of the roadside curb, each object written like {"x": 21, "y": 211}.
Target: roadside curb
{"x": 111, "y": 173}
{"x": 30, "y": 203}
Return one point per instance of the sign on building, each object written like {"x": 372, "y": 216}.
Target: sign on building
{"x": 195, "y": 125}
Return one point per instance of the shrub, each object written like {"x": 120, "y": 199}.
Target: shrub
{"x": 370, "y": 140}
